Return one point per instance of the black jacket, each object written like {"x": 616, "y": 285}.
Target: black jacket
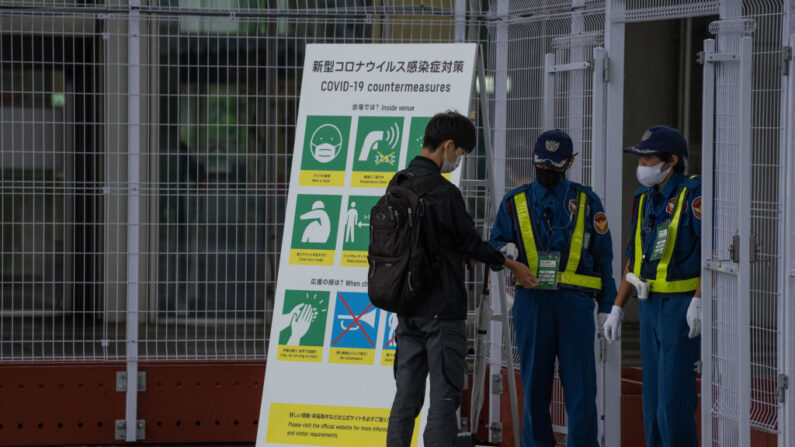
{"x": 449, "y": 230}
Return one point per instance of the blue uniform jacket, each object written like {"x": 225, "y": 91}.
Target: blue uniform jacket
{"x": 558, "y": 206}
{"x": 659, "y": 207}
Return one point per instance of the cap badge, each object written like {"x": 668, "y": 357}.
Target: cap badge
{"x": 552, "y": 145}
{"x": 646, "y": 135}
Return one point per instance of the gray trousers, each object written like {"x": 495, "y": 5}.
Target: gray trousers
{"x": 427, "y": 347}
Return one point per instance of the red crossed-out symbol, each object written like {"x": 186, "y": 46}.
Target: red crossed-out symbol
{"x": 355, "y": 321}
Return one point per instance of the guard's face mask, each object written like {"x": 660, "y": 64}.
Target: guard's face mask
{"x": 548, "y": 178}
{"x": 652, "y": 175}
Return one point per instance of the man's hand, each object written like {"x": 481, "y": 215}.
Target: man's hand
{"x": 522, "y": 273}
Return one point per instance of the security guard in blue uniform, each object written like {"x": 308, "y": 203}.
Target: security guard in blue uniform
{"x": 664, "y": 268}
{"x": 561, "y": 232}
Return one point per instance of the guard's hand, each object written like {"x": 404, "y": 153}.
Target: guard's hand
{"x": 694, "y": 317}
{"x": 522, "y": 273}
{"x": 510, "y": 251}
{"x": 612, "y": 324}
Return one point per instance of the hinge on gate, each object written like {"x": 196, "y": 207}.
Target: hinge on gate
{"x": 734, "y": 249}
{"x": 606, "y": 70}
{"x": 121, "y": 381}
{"x": 700, "y": 58}
{"x": 121, "y": 429}
{"x": 781, "y": 388}
{"x": 698, "y": 366}
{"x": 754, "y": 248}
{"x": 496, "y": 384}
{"x": 496, "y": 432}
{"x": 786, "y": 58}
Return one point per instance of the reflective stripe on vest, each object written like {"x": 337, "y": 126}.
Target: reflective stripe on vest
{"x": 569, "y": 276}
{"x": 663, "y": 285}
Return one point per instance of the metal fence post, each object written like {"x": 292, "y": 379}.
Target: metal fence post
{"x": 133, "y": 215}
{"x": 707, "y": 141}
{"x": 746, "y": 108}
{"x": 787, "y": 249}
{"x": 500, "y": 129}
{"x": 614, "y": 128}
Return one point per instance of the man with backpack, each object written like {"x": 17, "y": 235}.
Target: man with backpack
{"x": 429, "y": 294}
{"x": 561, "y": 231}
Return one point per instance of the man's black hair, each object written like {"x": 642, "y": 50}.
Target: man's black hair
{"x": 450, "y": 126}
{"x": 679, "y": 167}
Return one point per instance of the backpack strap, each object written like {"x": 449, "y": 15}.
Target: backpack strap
{"x": 399, "y": 177}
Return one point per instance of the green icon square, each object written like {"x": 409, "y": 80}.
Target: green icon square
{"x": 356, "y": 223}
{"x": 378, "y": 140}
{"x": 316, "y": 219}
{"x": 326, "y": 143}
{"x": 303, "y": 318}
{"x": 416, "y": 135}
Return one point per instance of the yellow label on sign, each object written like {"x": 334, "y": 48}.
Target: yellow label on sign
{"x": 302, "y": 256}
{"x": 371, "y": 179}
{"x": 352, "y": 356}
{"x": 387, "y": 358}
{"x": 331, "y": 426}
{"x": 290, "y": 353}
{"x": 354, "y": 259}
{"x": 321, "y": 178}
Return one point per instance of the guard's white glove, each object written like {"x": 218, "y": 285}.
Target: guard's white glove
{"x": 510, "y": 251}
{"x": 694, "y": 317}
{"x": 612, "y": 324}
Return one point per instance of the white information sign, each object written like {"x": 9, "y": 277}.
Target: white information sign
{"x": 362, "y": 117}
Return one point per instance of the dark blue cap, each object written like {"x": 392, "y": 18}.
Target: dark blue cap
{"x": 553, "y": 148}
{"x": 660, "y": 139}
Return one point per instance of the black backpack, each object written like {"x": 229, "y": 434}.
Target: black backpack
{"x": 401, "y": 269}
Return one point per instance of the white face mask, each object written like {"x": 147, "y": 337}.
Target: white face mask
{"x": 326, "y": 152}
{"x": 448, "y": 167}
{"x": 652, "y": 175}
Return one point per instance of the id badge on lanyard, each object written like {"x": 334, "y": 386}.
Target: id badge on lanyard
{"x": 660, "y": 241}
{"x": 548, "y": 267}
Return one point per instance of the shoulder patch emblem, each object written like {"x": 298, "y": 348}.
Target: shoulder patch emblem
{"x": 697, "y": 208}
{"x": 572, "y": 206}
{"x": 600, "y": 223}
{"x": 669, "y": 208}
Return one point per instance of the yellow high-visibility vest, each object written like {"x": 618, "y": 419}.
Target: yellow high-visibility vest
{"x": 660, "y": 282}
{"x": 569, "y": 276}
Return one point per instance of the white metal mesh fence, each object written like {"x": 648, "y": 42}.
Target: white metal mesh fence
{"x": 218, "y": 95}
{"x": 765, "y": 209}
{"x": 55, "y": 190}
{"x": 726, "y": 327}
{"x": 649, "y": 10}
